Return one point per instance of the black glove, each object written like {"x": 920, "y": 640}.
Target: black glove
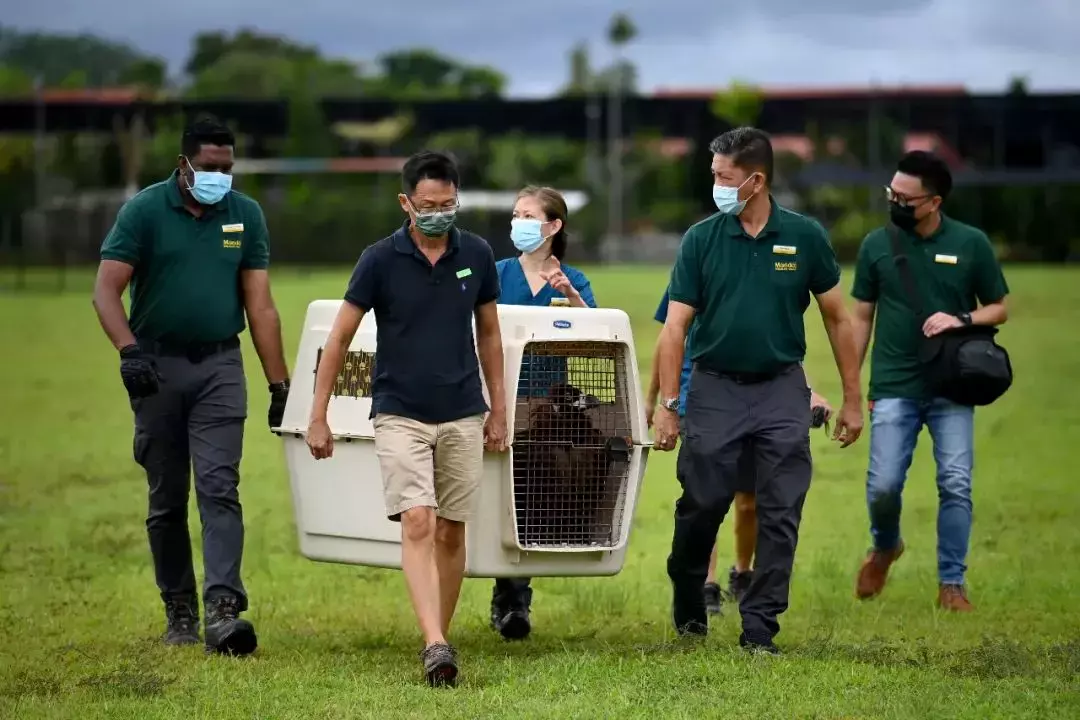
{"x": 138, "y": 372}
{"x": 279, "y": 395}
{"x": 817, "y": 418}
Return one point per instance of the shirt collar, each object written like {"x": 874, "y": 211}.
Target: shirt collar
{"x": 934, "y": 236}
{"x": 772, "y": 225}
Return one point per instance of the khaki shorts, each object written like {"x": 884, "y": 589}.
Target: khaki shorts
{"x": 423, "y": 465}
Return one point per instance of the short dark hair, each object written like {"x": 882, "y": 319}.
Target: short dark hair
{"x": 428, "y": 165}
{"x": 206, "y": 130}
{"x": 931, "y": 170}
{"x": 748, "y": 147}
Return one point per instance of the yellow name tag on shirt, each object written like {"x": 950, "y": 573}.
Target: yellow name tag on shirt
{"x": 784, "y": 249}
{"x": 945, "y": 259}
{"x": 235, "y": 227}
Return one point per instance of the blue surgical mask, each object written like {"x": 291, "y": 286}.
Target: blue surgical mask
{"x": 526, "y": 234}
{"x": 210, "y": 186}
{"x": 727, "y": 198}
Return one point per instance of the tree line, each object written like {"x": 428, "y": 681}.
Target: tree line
{"x": 342, "y": 210}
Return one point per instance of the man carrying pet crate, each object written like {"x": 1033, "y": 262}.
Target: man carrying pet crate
{"x": 746, "y": 274}
{"x": 426, "y": 283}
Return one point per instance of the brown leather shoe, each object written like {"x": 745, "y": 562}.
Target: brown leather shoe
{"x": 875, "y": 571}
{"x": 954, "y": 597}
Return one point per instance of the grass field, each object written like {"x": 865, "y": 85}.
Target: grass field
{"x": 80, "y": 617}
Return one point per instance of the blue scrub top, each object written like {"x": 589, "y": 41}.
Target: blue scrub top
{"x": 514, "y": 290}
{"x": 687, "y": 366}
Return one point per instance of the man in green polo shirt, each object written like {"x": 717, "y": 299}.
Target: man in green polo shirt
{"x": 747, "y": 274}
{"x": 195, "y": 254}
{"x": 954, "y": 269}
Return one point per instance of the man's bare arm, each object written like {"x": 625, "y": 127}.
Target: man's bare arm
{"x": 841, "y": 333}
{"x": 112, "y": 280}
{"x": 265, "y": 324}
{"x": 993, "y": 314}
{"x": 654, "y": 376}
{"x": 333, "y": 357}
{"x": 863, "y": 326}
{"x": 671, "y": 347}
{"x": 490, "y": 352}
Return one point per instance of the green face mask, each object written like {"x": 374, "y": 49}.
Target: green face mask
{"x": 436, "y": 223}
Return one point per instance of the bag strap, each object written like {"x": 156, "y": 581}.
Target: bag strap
{"x": 903, "y": 267}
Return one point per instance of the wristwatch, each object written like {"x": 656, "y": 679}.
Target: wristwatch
{"x": 965, "y": 318}
{"x": 671, "y": 404}
{"x": 282, "y": 386}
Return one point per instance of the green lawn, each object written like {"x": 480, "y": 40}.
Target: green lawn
{"x": 80, "y": 617}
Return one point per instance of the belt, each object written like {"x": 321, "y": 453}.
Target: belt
{"x": 195, "y": 352}
{"x": 745, "y": 378}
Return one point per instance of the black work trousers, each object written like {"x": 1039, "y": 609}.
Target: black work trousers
{"x": 723, "y": 412}
{"x": 195, "y": 421}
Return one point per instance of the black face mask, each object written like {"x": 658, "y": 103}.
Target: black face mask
{"x": 903, "y": 216}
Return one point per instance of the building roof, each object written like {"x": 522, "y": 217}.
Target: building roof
{"x": 811, "y": 92}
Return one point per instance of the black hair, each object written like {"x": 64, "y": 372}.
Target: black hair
{"x": 931, "y": 170}
{"x": 428, "y": 165}
{"x": 206, "y": 130}
{"x": 749, "y": 148}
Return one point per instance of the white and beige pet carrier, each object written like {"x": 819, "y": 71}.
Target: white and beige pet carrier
{"x": 560, "y": 503}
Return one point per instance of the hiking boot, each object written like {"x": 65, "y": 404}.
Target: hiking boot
{"x": 758, "y": 646}
{"x": 182, "y": 622}
{"x": 713, "y": 601}
{"x": 739, "y": 582}
{"x": 226, "y": 632}
{"x": 440, "y": 665}
{"x": 510, "y": 613}
{"x": 953, "y": 597}
{"x": 875, "y": 571}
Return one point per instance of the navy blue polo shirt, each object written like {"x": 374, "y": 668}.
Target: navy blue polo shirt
{"x": 426, "y": 367}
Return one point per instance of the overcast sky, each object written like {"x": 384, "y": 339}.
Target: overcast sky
{"x": 681, "y": 43}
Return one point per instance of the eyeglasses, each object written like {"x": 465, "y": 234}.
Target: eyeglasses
{"x": 452, "y": 206}
{"x": 895, "y": 197}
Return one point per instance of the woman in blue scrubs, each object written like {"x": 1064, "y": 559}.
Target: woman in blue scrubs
{"x": 539, "y": 277}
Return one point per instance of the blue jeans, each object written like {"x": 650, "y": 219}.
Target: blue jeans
{"x": 895, "y": 424}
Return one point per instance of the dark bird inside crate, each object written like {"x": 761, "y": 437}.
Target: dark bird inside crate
{"x": 565, "y": 472}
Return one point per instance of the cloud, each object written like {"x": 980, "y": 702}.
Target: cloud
{"x": 681, "y": 43}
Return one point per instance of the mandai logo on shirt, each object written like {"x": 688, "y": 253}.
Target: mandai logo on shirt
{"x": 232, "y": 235}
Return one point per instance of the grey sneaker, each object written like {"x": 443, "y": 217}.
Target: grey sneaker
{"x": 713, "y": 600}
{"x": 182, "y": 622}
{"x": 440, "y": 665}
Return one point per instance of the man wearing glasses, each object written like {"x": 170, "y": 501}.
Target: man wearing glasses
{"x": 955, "y": 270}
{"x": 426, "y": 283}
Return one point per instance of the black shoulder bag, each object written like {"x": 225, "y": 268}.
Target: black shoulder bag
{"x": 965, "y": 364}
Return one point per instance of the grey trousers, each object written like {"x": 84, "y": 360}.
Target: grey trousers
{"x": 721, "y": 416}
{"x": 195, "y": 421}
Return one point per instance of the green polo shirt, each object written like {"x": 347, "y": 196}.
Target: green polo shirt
{"x": 749, "y": 293}
{"x": 954, "y": 270}
{"x": 185, "y": 287}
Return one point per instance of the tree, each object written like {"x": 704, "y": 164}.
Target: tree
{"x": 425, "y": 74}
{"x": 210, "y": 48}
{"x": 739, "y": 104}
{"x": 621, "y": 30}
{"x": 581, "y": 74}
{"x": 54, "y": 57}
